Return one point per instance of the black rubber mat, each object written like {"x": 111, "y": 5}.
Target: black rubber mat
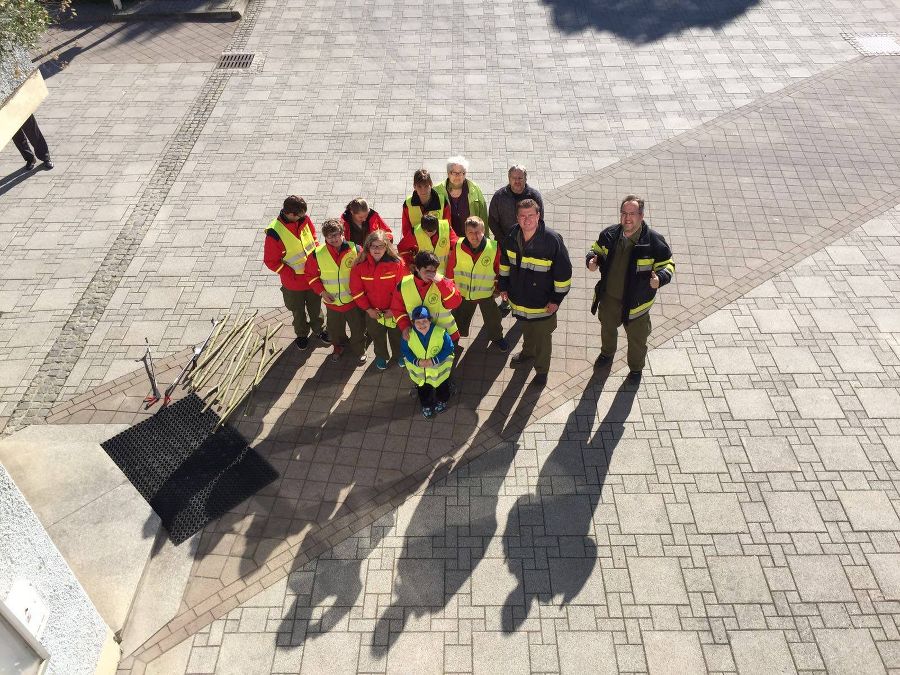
{"x": 189, "y": 475}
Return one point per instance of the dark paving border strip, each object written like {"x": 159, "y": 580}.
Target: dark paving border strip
{"x": 44, "y": 390}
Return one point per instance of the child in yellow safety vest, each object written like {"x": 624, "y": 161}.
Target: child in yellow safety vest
{"x": 431, "y": 235}
{"x": 474, "y": 265}
{"x": 328, "y": 271}
{"x": 429, "y": 357}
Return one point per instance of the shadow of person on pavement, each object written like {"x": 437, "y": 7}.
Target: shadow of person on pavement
{"x": 645, "y": 21}
{"x": 547, "y": 542}
{"x": 425, "y": 582}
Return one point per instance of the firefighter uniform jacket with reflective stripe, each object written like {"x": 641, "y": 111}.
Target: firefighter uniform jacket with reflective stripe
{"x": 650, "y": 253}
{"x": 474, "y": 272}
{"x": 286, "y": 249}
{"x": 534, "y": 273}
{"x": 329, "y": 270}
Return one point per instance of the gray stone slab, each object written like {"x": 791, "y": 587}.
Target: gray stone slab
{"x": 172, "y": 662}
{"x": 833, "y": 320}
{"x": 761, "y": 652}
{"x": 749, "y": 404}
{"x": 673, "y": 653}
{"x": 498, "y": 652}
{"x": 886, "y": 568}
{"x": 817, "y": 404}
{"x": 495, "y": 582}
{"x": 419, "y": 582}
{"x": 856, "y": 359}
{"x": 586, "y": 652}
{"x": 631, "y": 456}
{"x": 699, "y": 455}
{"x": 820, "y": 578}
{"x": 879, "y": 402}
{"x": 328, "y": 653}
{"x": 416, "y": 652}
{"x": 642, "y": 514}
{"x": 578, "y": 580}
{"x": 769, "y": 453}
{"x": 657, "y": 581}
{"x": 774, "y": 321}
{"x": 738, "y": 579}
{"x": 841, "y": 453}
{"x": 794, "y": 360}
{"x": 794, "y": 512}
{"x": 683, "y": 406}
{"x": 566, "y": 514}
{"x": 421, "y": 516}
{"x": 732, "y": 360}
{"x": 717, "y": 513}
{"x": 869, "y": 510}
{"x": 848, "y": 651}
{"x": 670, "y": 362}
{"x": 887, "y": 320}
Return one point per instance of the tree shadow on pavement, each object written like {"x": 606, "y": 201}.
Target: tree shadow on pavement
{"x": 548, "y": 543}
{"x": 425, "y": 580}
{"x": 645, "y": 21}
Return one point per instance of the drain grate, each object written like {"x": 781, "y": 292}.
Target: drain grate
{"x": 874, "y": 44}
{"x": 235, "y": 60}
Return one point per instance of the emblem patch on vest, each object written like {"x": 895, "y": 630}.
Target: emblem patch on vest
{"x": 485, "y": 262}
{"x": 442, "y": 242}
{"x": 432, "y": 299}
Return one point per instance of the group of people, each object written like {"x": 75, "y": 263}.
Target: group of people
{"x": 456, "y": 254}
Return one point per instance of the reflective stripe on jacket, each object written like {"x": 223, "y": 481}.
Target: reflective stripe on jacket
{"x": 296, "y": 249}
{"x": 441, "y": 249}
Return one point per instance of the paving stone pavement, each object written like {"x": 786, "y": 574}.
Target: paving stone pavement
{"x": 756, "y": 530}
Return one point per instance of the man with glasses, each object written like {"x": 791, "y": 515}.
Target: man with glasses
{"x": 634, "y": 261}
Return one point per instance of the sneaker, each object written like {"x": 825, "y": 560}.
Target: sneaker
{"x": 439, "y": 408}
{"x": 323, "y": 336}
{"x": 602, "y": 360}
{"x": 540, "y": 380}
{"x": 504, "y": 306}
{"x": 381, "y": 364}
{"x": 521, "y": 358}
{"x": 361, "y": 359}
{"x": 427, "y": 413}
{"x": 401, "y": 362}
{"x": 502, "y": 345}
{"x": 302, "y": 342}
{"x": 48, "y": 164}
{"x": 29, "y": 165}
{"x": 336, "y": 354}
{"x": 635, "y": 376}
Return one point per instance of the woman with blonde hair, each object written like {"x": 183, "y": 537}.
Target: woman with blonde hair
{"x": 373, "y": 281}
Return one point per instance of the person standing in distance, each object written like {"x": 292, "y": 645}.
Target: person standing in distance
{"x": 535, "y": 275}
{"x": 634, "y": 262}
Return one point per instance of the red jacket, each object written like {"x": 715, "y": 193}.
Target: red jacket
{"x": 273, "y": 252}
{"x": 449, "y": 295}
{"x": 372, "y": 222}
{"x": 313, "y": 273}
{"x": 467, "y": 248}
{"x": 433, "y": 203}
{"x": 409, "y": 246}
{"x": 373, "y": 284}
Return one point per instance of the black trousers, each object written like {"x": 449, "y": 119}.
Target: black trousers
{"x": 429, "y": 395}
{"x": 30, "y": 132}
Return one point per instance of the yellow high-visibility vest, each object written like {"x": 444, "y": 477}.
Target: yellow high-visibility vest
{"x": 415, "y": 212}
{"x": 336, "y": 278}
{"x": 441, "y": 249}
{"x": 475, "y": 279}
{"x": 296, "y": 249}
{"x": 433, "y": 375}
{"x": 440, "y": 315}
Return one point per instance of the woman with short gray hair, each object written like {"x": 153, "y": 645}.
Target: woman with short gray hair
{"x": 462, "y": 194}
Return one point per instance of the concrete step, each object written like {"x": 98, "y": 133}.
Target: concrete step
{"x": 106, "y": 531}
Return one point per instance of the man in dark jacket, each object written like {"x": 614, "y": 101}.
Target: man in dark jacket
{"x": 634, "y": 261}
{"x": 535, "y": 275}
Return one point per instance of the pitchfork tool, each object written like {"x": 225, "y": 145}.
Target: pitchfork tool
{"x": 192, "y": 362}
{"x": 151, "y": 399}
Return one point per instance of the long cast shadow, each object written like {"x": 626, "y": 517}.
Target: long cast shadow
{"x": 424, "y": 583}
{"x": 645, "y": 21}
{"x": 547, "y": 541}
